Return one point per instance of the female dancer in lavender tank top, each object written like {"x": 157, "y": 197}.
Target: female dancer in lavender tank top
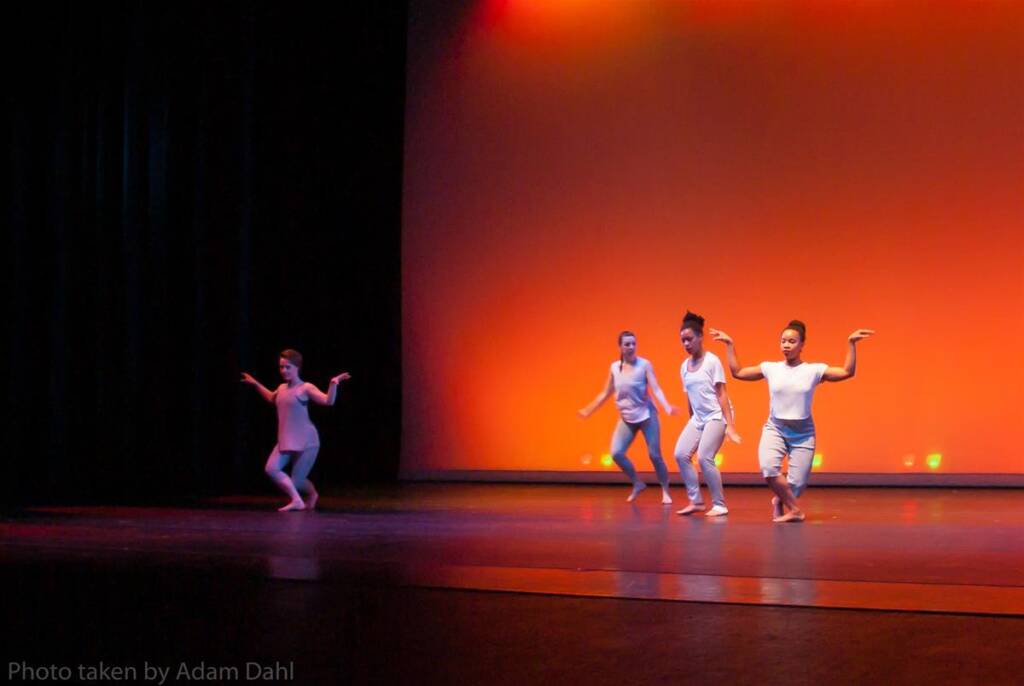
{"x": 297, "y": 438}
{"x": 629, "y": 378}
{"x": 790, "y": 427}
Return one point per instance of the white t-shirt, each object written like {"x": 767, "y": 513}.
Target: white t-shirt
{"x": 700, "y": 388}
{"x": 792, "y": 388}
{"x": 631, "y": 390}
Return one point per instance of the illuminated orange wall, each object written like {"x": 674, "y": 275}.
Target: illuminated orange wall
{"x": 579, "y": 167}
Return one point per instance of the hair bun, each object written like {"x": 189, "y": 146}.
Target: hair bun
{"x": 693, "y": 321}
{"x": 798, "y": 325}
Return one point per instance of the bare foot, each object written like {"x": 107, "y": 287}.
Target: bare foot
{"x": 776, "y": 507}
{"x": 293, "y": 506}
{"x": 666, "y": 499}
{"x": 791, "y": 516}
{"x": 637, "y": 487}
{"x": 311, "y": 501}
{"x": 717, "y": 511}
{"x": 690, "y": 509}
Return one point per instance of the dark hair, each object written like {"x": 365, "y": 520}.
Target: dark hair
{"x": 293, "y": 356}
{"x": 623, "y": 334}
{"x": 693, "y": 322}
{"x": 799, "y": 327}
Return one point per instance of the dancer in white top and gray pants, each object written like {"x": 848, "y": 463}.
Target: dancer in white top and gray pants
{"x": 629, "y": 378}
{"x": 790, "y": 427}
{"x": 711, "y": 419}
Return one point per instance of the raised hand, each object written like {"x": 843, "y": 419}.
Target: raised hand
{"x": 861, "y": 334}
{"x": 344, "y": 376}
{"x": 720, "y": 336}
{"x": 247, "y": 378}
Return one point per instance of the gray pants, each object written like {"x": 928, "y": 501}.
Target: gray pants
{"x": 623, "y": 437}
{"x": 304, "y": 461}
{"x": 705, "y": 441}
{"x": 795, "y": 438}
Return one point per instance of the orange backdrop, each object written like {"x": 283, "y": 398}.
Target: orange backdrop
{"x": 574, "y": 168}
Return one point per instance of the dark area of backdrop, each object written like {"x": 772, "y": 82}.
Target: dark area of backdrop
{"x": 193, "y": 188}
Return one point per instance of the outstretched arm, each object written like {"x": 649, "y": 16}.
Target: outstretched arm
{"x": 738, "y": 372}
{"x": 321, "y": 398}
{"x": 609, "y": 387}
{"x": 267, "y": 394}
{"x": 658, "y": 393}
{"x": 850, "y": 367}
{"x": 730, "y": 420}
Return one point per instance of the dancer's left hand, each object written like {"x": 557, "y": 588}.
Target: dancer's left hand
{"x": 344, "y": 376}
{"x": 733, "y": 435}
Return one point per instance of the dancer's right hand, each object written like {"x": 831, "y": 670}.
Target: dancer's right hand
{"x": 247, "y": 378}
{"x": 583, "y": 414}
{"x": 861, "y": 334}
{"x": 720, "y": 336}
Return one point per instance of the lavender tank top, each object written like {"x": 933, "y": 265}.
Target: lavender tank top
{"x": 295, "y": 432}
{"x": 631, "y": 391}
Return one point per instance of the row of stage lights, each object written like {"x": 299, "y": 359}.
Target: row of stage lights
{"x": 932, "y": 460}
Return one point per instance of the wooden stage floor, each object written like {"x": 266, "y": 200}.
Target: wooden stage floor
{"x": 883, "y": 584}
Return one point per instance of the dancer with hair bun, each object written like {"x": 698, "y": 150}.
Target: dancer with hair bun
{"x": 711, "y": 419}
{"x": 629, "y": 378}
{"x": 297, "y": 438}
{"x": 790, "y": 427}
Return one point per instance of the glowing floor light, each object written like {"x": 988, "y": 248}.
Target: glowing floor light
{"x": 908, "y": 460}
{"x": 719, "y": 459}
{"x": 934, "y": 460}
{"x": 816, "y": 462}
{"x": 587, "y": 459}
{"x": 606, "y": 460}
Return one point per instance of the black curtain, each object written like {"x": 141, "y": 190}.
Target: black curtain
{"x": 194, "y": 187}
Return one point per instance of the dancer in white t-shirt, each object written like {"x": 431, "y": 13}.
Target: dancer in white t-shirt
{"x": 711, "y": 419}
{"x": 629, "y": 378}
{"x": 790, "y": 427}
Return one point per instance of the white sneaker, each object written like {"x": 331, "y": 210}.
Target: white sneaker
{"x": 717, "y": 511}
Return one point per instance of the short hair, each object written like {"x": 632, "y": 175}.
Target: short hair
{"x": 293, "y": 356}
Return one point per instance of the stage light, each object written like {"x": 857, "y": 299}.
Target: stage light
{"x": 816, "y": 462}
{"x": 719, "y": 459}
{"x": 587, "y": 459}
{"x": 606, "y": 460}
{"x": 908, "y": 460}
{"x": 934, "y": 460}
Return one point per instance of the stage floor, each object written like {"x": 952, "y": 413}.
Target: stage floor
{"x": 949, "y": 563}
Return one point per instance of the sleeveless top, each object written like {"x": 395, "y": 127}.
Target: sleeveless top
{"x": 295, "y": 431}
{"x": 631, "y": 391}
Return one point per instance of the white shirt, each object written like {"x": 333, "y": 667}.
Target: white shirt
{"x": 792, "y": 388}
{"x": 700, "y": 388}
{"x": 631, "y": 390}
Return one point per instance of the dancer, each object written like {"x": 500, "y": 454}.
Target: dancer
{"x": 629, "y": 378}
{"x": 790, "y": 427}
{"x": 711, "y": 419}
{"x": 297, "y": 438}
